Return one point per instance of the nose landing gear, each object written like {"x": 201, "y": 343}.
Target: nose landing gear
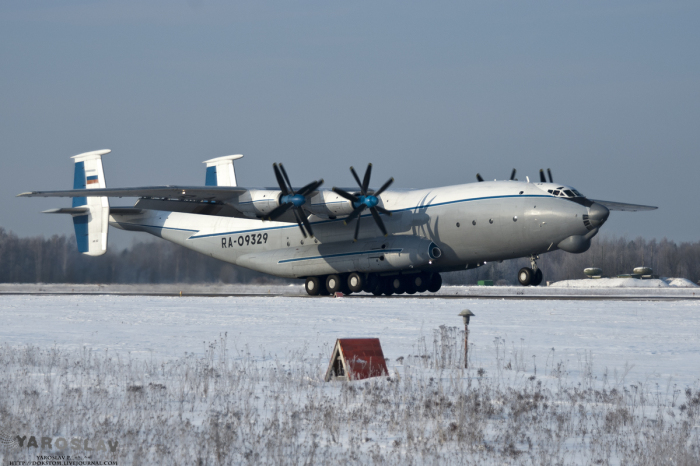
{"x": 531, "y": 276}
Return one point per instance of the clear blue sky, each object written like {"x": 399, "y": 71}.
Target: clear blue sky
{"x": 607, "y": 94}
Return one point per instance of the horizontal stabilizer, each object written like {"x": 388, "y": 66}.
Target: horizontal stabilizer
{"x": 194, "y": 193}
{"x": 624, "y": 207}
{"x": 68, "y": 210}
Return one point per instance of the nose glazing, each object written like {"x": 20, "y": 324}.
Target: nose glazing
{"x": 597, "y": 214}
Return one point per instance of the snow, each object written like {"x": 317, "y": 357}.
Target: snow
{"x": 628, "y": 282}
{"x": 660, "y": 340}
{"x": 609, "y": 376}
{"x": 611, "y": 283}
{"x": 680, "y": 282}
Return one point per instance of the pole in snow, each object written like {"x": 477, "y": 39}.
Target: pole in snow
{"x": 466, "y": 314}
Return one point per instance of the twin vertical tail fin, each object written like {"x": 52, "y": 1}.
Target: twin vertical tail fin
{"x": 220, "y": 171}
{"x": 90, "y": 214}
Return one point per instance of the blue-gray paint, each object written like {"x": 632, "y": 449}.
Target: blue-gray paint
{"x": 211, "y": 179}
{"x": 79, "y": 182}
{"x": 80, "y": 223}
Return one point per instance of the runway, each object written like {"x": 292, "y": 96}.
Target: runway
{"x": 297, "y": 291}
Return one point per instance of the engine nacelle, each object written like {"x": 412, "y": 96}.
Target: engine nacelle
{"x": 256, "y": 203}
{"x": 326, "y": 203}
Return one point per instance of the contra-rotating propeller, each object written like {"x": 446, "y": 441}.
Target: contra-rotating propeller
{"x": 292, "y": 200}
{"x": 365, "y": 200}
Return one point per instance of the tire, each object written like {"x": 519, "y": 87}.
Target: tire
{"x": 371, "y": 283}
{"x": 333, "y": 283}
{"x": 410, "y": 284}
{"x": 397, "y": 284}
{"x": 385, "y": 286}
{"x": 537, "y": 279}
{"x": 356, "y": 282}
{"x": 313, "y": 286}
{"x": 421, "y": 281}
{"x": 525, "y": 276}
{"x": 435, "y": 283}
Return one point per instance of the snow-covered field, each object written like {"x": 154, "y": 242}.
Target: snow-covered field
{"x": 629, "y": 363}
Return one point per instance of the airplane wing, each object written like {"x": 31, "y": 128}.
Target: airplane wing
{"x": 194, "y": 193}
{"x": 624, "y": 207}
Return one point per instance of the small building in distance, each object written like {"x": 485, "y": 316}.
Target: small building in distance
{"x": 356, "y": 359}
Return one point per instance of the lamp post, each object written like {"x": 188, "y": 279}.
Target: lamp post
{"x": 466, "y": 314}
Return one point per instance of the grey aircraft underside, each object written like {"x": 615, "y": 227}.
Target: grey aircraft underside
{"x": 383, "y": 242}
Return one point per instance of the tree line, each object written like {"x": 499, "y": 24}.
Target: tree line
{"x": 56, "y": 260}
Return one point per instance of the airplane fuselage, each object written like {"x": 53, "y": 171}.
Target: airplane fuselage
{"x": 469, "y": 224}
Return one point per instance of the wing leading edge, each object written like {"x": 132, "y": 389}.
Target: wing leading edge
{"x": 621, "y": 206}
{"x": 193, "y": 193}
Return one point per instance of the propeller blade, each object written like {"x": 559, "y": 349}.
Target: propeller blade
{"x": 512, "y": 175}
{"x": 280, "y": 180}
{"x": 301, "y": 227}
{"x": 378, "y": 219}
{"x": 549, "y": 172}
{"x": 384, "y": 186}
{"x": 357, "y": 178}
{"x": 355, "y": 213}
{"x": 365, "y": 181}
{"x": 284, "y": 173}
{"x": 309, "y": 188}
{"x": 542, "y": 178}
{"x": 357, "y": 228}
{"x": 478, "y": 177}
{"x": 383, "y": 210}
{"x": 307, "y": 224}
{"x": 345, "y": 194}
{"x": 278, "y": 211}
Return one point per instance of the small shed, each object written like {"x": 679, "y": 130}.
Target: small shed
{"x": 356, "y": 359}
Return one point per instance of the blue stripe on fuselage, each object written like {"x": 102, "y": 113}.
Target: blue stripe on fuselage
{"x": 328, "y": 256}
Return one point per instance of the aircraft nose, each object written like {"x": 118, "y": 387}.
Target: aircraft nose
{"x": 597, "y": 214}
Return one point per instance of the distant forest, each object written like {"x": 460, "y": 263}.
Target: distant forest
{"x": 56, "y": 260}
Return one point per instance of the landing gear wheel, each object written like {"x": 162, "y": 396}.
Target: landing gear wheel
{"x": 421, "y": 282}
{"x": 537, "y": 279}
{"x": 333, "y": 283}
{"x": 435, "y": 283}
{"x": 396, "y": 283}
{"x": 371, "y": 283}
{"x": 409, "y": 284}
{"x": 525, "y": 276}
{"x": 356, "y": 282}
{"x": 385, "y": 286}
{"x": 313, "y": 286}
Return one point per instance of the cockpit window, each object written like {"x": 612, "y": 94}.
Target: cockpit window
{"x": 569, "y": 193}
{"x": 556, "y": 192}
{"x": 549, "y": 191}
{"x": 578, "y": 194}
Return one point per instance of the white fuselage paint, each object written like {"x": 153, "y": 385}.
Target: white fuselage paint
{"x": 470, "y": 223}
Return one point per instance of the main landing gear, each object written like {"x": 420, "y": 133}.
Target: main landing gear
{"x": 372, "y": 283}
{"x": 531, "y": 276}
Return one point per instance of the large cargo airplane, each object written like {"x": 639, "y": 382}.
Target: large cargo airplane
{"x": 379, "y": 241}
